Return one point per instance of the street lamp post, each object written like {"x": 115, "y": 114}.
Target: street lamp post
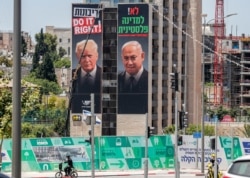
{"x": 202, "y": 95}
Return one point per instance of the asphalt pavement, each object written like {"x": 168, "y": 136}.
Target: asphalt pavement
{"x": 194, "y": 172}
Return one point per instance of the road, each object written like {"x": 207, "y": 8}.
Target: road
{"x": 120, "y": 174}
{"x": 154, "y": 176}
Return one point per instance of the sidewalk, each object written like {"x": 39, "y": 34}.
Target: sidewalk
{"x": 193, "y": 172}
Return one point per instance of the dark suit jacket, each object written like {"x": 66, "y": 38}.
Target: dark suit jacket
{"x": 81, "y": 92}
{"x": 136, "y": 101}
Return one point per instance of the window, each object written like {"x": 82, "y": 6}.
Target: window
{"x": 68, "y": 50}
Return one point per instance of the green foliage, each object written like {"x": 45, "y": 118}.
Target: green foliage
{"x": 52, "y": 109}
{"x": 29, "y": 99}
{"x": 44, "y": 56}
{"x": 62, "y": 63}
{"x": 246, "y": 130}
{"x": 169, "y": 129}
{"x": 1, "y": 73}
{"x": 4, "y": 60}
{"x": 62, "y": 52}
{"x": 192, "y": 128}
{"x": 209, "y": 84}
{"x": 59, "y": 126}
{"x": 220, "y": 112}
{"x": 46, "y": 86}
{"x": 208, "y": 130}
{"x": 234, "y": 112}
{"x": 52, "y": 112}
{"x": 46, "y": 69}
{"x": 5, "y": 112}
{"x": 36, "y": 130}
{"x": 28, "y": 130}
{"x": 24, "y": 46}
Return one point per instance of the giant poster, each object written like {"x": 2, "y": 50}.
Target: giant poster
{"x": 86, "y": 56}
{"x": 133, "y": 43}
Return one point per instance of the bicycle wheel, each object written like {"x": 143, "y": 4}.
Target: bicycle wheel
{"x": 209, "y": 174}
{"x": 74, "y": 174}
{"x": 58, "y": 175}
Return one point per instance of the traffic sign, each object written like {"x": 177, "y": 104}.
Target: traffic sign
{"x": 197, "y": 135}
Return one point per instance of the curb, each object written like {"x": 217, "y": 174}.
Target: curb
{"x": 114, "y": 173}
{"x": 200, "y": 174}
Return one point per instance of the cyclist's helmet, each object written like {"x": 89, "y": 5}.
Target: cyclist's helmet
{"x": 67, "y": 155}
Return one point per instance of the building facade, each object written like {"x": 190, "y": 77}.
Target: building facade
{"x": 236, "y": 53}
{"x": 6, "y": 42}
{"x": 172, "y": 22}
{"x": 63, "y": 38}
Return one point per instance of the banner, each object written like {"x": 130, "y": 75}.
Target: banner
{"x": 133, "y": 44}
{"x": 122, "y": 152}
{"x": 86, "y": 56}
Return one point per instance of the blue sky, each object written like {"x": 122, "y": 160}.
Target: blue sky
{"x": 237, "y": 24}
{"x": 38, "y": 14}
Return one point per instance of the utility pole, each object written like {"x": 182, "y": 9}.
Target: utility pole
{"x": 93, "y": 120}
{"x": 202, "y": 94}
{"x": 146, "y": 149}
{"x": 16, "y": 91}
{"x": 215, "y": 152}
{"x": 177, "y": 173}
{"x": 174, "y": 86}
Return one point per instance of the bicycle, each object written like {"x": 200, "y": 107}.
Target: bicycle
{"x": 73, "y": 173}
{"x": 210, "y": 172}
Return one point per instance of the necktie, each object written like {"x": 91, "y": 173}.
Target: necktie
{"x": 131, "y": 83}
{"x": 88, "y": 80}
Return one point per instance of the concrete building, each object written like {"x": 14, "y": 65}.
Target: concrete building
{"x": 236, "y": 52}
{"x": 6, "y": 42}
{"x": 236, "y": 55}
{"x": 63, "y": 38}
{"x": 175, "y": 29}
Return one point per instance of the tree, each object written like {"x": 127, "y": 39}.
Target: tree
{"x": 29, "y": 99}
{"x": 219, "y": 112}
{"x": 45, "y": 85}
{"x": 23, "y": 47}
{"x": 208, "y": 129}
{"x": 62, "y": 63}
{"x": 4, "y": 60}
{"x": 40, "y": 49}
{"x": 169, "y": 129}
{"x": 62, "y": 52}
{"x": 51, "y": 109}
{"x": 44, "y": 56}
{"x": 46, "y": 69}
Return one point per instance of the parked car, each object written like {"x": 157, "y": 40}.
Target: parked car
{"x": 239, "y": 168}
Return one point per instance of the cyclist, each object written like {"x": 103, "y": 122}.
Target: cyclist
{"x": 69, "y": 166}
{"x": 212, "y": 159}
{"x": 213, "y": 162}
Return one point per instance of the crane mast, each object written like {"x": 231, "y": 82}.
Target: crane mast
{"x": 219, "y": 34}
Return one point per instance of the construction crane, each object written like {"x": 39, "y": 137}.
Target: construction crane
{"x": 219, "y": 34}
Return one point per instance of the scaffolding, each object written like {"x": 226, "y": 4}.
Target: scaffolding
{"x": 236, "y": 90}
